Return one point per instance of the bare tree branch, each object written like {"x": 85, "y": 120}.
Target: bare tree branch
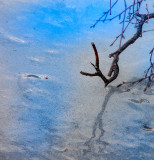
{"x": 138, "y": 34}
{"x": 149, "y": 74}
{"x": 98, "y": 72}
{"x": 130, "y": 15}
{"x": 144, "y": 17}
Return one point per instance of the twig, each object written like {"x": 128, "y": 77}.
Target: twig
{"x": 148, "y": 30}
{"x": 149, "y": 75}
{"x": 144, "y": 17}
{"x": 104, "y": 15}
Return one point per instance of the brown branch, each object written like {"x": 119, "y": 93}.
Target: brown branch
{"x": 138, "y": 34}
{"x": 149, "y": 75}
{"x": 96, "y": 55}
{"x": 148, "y": 30}
{"x": 98, "y": 72}
{"x": 144, "y": 17}
{"x": 133, "y": 14}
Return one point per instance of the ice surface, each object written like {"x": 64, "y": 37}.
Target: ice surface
{"x": 48, "y": 110}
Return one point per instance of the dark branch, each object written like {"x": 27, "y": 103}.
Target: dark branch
{"x": 96, "y": 55}
{"x": 144, "y": 17}
{"x": 138, "y": 34}
{"x": 104, "y": 15}
{"x": 149, "y": 75}
{"x": 130, "y": 16}
{"x": 98, "y": 72}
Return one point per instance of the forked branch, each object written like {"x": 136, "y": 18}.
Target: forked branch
{"x": 115, "y": 68}
{"x": 130, "y": 15}
{"x": 144, "y": 18}
{"x": 149, "y": 74}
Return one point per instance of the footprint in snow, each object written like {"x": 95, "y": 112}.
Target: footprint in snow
{"x": 139, "y": 101}
{"x": 33, "y": 76}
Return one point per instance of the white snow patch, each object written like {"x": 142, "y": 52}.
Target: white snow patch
{"x": 35, "y": 59}
{"x": 38, "y": 76}
{"x": 52, "y": 51}
{"x": 16, "y": 39}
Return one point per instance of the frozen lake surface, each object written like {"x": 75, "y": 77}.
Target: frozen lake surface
{"x": 48, "y": 110}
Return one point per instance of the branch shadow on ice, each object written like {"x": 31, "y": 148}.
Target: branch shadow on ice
{"x": 96, "y": 145}
{"x": 98, "y": 124}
